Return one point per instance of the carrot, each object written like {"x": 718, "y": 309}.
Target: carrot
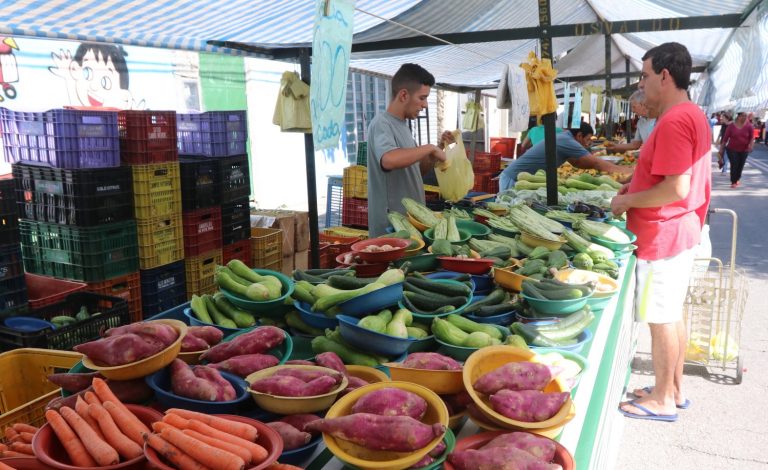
{"x": 22, "y": 447}
{"x": 26, "y": 437}
{"x": 23, "y": 427}
{"x": 258, "y": 452}
{"x": 176, "y": 421}
{"x": 91, "y": 398}
{"x": 173, "y": 454}
{"x": 242, "y": 430}
{"x": 10, "y": 434}
{"x": 81, "y": 407}
{"x": 128, "y": 423}
{"x": 69, "y": 440}
{"x": 112, "y": 434}
{"x": 101, "y": 452}
{"x": 229, "y": 447}
{"x": 3, "y": 447}
{"x": 105, "y": 393}
{"x": 5, "y": 467}
{"x": 205, "y": 454}
{"x": 283, "y": 466}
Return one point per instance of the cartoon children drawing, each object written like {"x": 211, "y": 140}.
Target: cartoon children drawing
{"x": 97, "y": 76}
{"x": 9, "y": 71}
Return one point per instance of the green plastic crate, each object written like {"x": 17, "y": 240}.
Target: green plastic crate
{"x": 362, "y": 153}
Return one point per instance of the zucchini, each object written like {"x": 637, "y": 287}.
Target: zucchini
{"x": 349, "y": 282}
{"x": 302, "y": 294}
{"x": 444, "y": 288}
{"x": 531, "y": 291}
{"x": 323, "y": 344}
{"x": 532, "y": 335}
{"x": 197, "y": 304}
{"x": 449, "y": 333}
{"x": 497, "y": 296}
{"x": 444, "y": 309}
{"x": 219, "y": 318}
{"x": 429, "y": 303}
{"x": 256, "y": 291}
{"x": 241, "y": 318}
{"x": 569, "y": 327}
{"x": 471, "y": 327}
{"x": 561, "y": 294}
{"x": 491, "y": 310}
{"x": 293, "y": 319}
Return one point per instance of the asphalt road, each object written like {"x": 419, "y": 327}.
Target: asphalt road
{"x": 725, "y": 428}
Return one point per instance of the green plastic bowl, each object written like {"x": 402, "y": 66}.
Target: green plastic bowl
{"x": 557, "y": 308}
{"x": 460, "y": 353}
{"x": 617, "y": 223}
{"x": 422, "y": 263}
{"x": 476, "y": 229}
{"x": 266, "y": 305}
{"x": 598, "y": 304}
{"x": 429, "y": 236}
{"x": 613, "y": 245}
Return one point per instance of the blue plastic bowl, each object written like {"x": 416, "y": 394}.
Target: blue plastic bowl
{"x": 299, "y": 455}
{"x": 482, "y": 283}
{"x": 194, "y": 321}
{"x": 371, "y": 341}
{"x": 557, "y": 308}
{"x": 282, "y": 351}
{"x": 424, "y": 316}
{"x": 452, "y": 275}
{"x": 160, "y": 382}
{"x": 266, "y": 305}
{"x": 316, "y": 319}
{"x": 28, "y": 324}
{"x": 582, "y": 339}
{"x": 373, "y": 301}
{"x": 423, "y": 345}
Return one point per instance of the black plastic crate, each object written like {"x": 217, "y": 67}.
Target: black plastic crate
{"x": 13, "y": 293}
{"x": 75, "y": 197}
{"x": 234, "y": 232}
{"x": 159, "y": 304}
{"x": 162, "y": 288}
{"x": 234, "y": 178}
{"x": 199, "y": 183}
{"x": 113, "y": 311}
{"x": 235, "y": 212}
{"x": 9, "y": 228}
{"x": 7, "y": 195}
{"x": 11, "y": 262}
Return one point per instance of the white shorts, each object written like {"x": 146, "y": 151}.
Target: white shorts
{"x": 661, "y": 288}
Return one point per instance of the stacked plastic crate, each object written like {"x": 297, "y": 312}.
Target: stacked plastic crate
{"x": 148, "y": 147}
{"x": 13, "y": 288}
{"x": 215, "y": 193}
{"x": 487, "y": 167}
{"x": 354, "y": 208}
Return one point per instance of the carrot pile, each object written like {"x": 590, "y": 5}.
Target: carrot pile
{"x": 19, "y": 440}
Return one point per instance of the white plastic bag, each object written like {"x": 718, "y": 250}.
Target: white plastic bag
{"x": 455, "y": 176}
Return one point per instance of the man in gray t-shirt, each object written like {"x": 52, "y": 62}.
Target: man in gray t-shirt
{"x": 644, "y": 125}
{"x": 395, "y": 163}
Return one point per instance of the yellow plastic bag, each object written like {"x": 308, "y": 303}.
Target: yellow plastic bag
{"x": 455, "y": 176}
{"x": 473, "y": 119}
{"x": 292, "y": 108}
{"x": 541, "y": 88}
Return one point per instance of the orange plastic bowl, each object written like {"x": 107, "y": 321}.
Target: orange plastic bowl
{"x": 562, "y": 456}
{"x": 399, "y": 244}
{"x": 49, "y": 451}
{"x": 24, "y": 463}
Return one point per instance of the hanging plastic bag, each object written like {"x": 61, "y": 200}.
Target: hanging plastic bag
{"x": 473, "y": 119}
{"x": 455, "y": 176}
{"x": 503, "y": 99}
{"x": 541, "y": 88}
{"x": 292, "y": 108}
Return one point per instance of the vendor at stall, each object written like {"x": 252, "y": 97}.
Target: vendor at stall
{"x": 396, "y": 164}
{"x": 570, "y": 146}
{"x": 644, "y": 125}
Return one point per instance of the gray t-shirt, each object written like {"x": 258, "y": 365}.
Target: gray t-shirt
{"x": 644, "y": 129}
{"x": 535, "y": 158}
{"x": 387, "y": 188}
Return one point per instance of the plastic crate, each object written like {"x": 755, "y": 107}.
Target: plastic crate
{"x": 333, "y": 201}
{"x": 503, "y": 145}
{"x": 24, "y": 385}
{"x": 89, "y": 254}
{"x": 239, "y": 250}
{"x": 61, "y": 138}
{"x": 126, "y": 287}
{"x": 13, "y": 293}
{"x": 355, "y": 182}
{"x": 266, "y": 246}
{"x": 156, "y": 190}
{"x": 161, "y": 241}
{"x": 200, "y": 272}
{"x": 354, "y": 212}
{"x": 114, "y": 312}
{"x": 199, "y": 183}
{"x": 11, "y": 262}
{"x": 234, "y": 178}
{"x": 346, "y": 232}
{"x": 487, "y": 162}
{"x": 9, "y": 229}
{"x": 202, "y": 231}
{"x": 212, "y": 134}
{"x": 43, "y": 291}
{"x": 325, "y": 258}
{"x": 336, "y": 246}
{"x": 274, "y": 266}
{"x": 7, "y": 195}
{"x": 147, "y": 137}
{"x": 486, "y": 183}
{"x": 236, "y": 222}
{"x": 85, "y": 197}
{"x": 362, "y": 153}
{"x": 162, "y": 288}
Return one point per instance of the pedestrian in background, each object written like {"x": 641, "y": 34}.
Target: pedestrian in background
{"x": 737, "y": 143}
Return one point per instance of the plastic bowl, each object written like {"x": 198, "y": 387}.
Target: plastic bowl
{"x": 483, "y": 282}
{"x": 461, "y": 353}
{"x": 598, "y": 304}
{"x": 419, "y": 226}
{"x": 476, "y": 229}
{"x": 422, "y": 263}
{"x": 363, "y": 269}
{"x": 430, "y": 317}
{"x": 146, "y": 366}
{"x": 367, "y": 459}
{"x": 562, "y": 456}
{"x": 423, "y": 344}
{"x": 282, "y": 351}
{"x": 28, "y": 324}
{"x": 299, "y": 455}
{"x": 51, "y": 453}
{"x": 450, "y": 443}
{"x": 465, "y": 265}
{"x": 606, "y": 286}
{"x": 464, "y": 236}
{"x": 617, "y": 223}
{"x": 268, "y": 438}
{"x": 371, "y": 341}
{"x": 502, "y": 319}
{"x": 369, "y": 374}
{"x": 194, "y": 321}
{"x": 415, "y": 250}
{"x": 509, "y": 279}
{"x": 316, "y": 319}
{"x": 493, "y": 357}
{"x": 23, "y": 463}
{"x": 581, "y": 341}
{"x": 373, "y": 301}
{"x": 616, "y": 246}
{"x": 293, "y": 405}
{"x": 443, "y": 382}
{"x": 265, "y": 305}
{"x": 160, "y": 382}
{"x": 556, "y": 307}
{"x": 399, "y": 244}
{"x": 571, "y": 356}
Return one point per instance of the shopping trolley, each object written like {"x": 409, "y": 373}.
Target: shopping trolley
{"x": 714, "y": 307}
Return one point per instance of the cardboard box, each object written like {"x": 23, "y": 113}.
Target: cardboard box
{"x": 284, "y": 220}
{"x": 301, "y": 260}
{"x": 302, "y": 231}
{"x": 288, "y": 265}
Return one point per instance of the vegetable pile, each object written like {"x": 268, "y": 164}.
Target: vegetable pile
{"x": 130, "y": 343}
{"x": 510, "y": 451}
{"x": 292, "y": 381}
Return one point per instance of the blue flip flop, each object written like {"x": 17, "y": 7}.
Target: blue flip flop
{"x": 683, "y": 406}
{"x": 650, "y": 414}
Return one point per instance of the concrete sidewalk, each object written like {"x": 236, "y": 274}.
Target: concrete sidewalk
{"x": 725, "y": 428}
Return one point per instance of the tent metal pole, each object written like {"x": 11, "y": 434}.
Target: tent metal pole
{"x": 545, "y": 21}
{"x": 608, "y": 108}
{"x": 309, "y": 155}
{"x": 628, "y": 116}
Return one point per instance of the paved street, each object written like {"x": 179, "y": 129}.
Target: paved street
{"x": 725, "y": 428}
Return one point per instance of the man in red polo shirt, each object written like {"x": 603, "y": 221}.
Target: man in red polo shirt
{"x": 666, "y": 204}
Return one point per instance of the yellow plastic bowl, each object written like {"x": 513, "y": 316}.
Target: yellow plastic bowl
{"x": 369, "y": 374}
{"x": 419, "y": 226}
{"x": 532, "y": 240}
{"x": 415, "y": 251}
{"x": 509, "y": 279}
{"x": 443, "y": 382}
{"x": 492, "y": 357}
{"x": 368, "y": 459}
{"x": 606, "y": 286}
{"x": 191, "y": 357}
{"x": 293, "y": 405}
{"x": 146, "y": 366}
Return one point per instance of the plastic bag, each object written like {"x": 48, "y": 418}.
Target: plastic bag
{"x": 455, "y": 176}
{"x": 473, "y": 119}
{"x": 541, "y": 88}
{"x": 292, "y": 108}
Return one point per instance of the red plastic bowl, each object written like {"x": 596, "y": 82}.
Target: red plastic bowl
{"x": 562, "y": 456}
{"x": 268, "y": 438}
{"x": 465, "y": 265}
{"x": 400, "y": 245}
{"x": 49, "y": 451}
{"x": 24, "y": 463}
{"x": 363, "y": 269}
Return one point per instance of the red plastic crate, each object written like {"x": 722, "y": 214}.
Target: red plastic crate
{"x": 354, "y": 212}
{"x": 126, "y": 287}
{"x": 503, "y": 145}
{"x": 44, "y": 290}
{"x": 336, "y": 246}
{"x": 202, "y": 231}
{"x": 239, "y": 250}
{"x": 485, "y": 183}
{"x": 147, "y": 137}
{"x": 487, "y": 162}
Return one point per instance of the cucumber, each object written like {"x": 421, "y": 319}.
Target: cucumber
{"x": 461, "y": 277}
{"x": 410, "y": 306}
{"x": 63, "y": 320}
{"x": 293, "y": 319}
{"x": 323, "y": 344}
{"x": 497, "y": 296}
{"x": 532, "y": 335}
{"x": 569, "y": 327}
{"x": 531, "y": 291}
{"x": 409, "y": 287}
{"x": 471, "y": 327}
{"x": 218, "y": 317}
{"x": 448, "y": 289}
{"x": 299, "y": 275}
{"x": 561, "y": 294}
{"x": 199, "y": 309}
{"x": 491, "y": 310}
{"x": 349, "y": 282}
{"x": 430, "y": 303}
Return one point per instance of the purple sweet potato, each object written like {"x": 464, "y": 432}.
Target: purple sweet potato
{"x": 73, "y": 382}
{"x": 514, "y": 376}
{"x": 299, "y": 362}
{"x": 498, "y": 458}
{"x": 457, "y": 402}
{"x": 166, "y": 334}
{"x": 531, "y": 406}
{"x": 431, "y": 361}
{"x": 438, "y": 450}
{"x": 211, "y": 335}
{"x": 246, "y": 364}
{"x": 391, "y": 401}
{"x": 191, "y": 343}
{"x": 292, "y": 437}
{"x": 119, "y": 350}
{"x": 299, "y": 421}
{"x": 376, "y": 432}
{"x": 186, "y": 384}
{"x": 225, "y": 390}
{"x": 331, "y": 360}
{"x": 319, "y": 386}
{"x": 257, "y": 341}
{"x": 540, "y": 447}
{"x": 353, "y": 383}
{"x": 283, "y": 386}
{"x": 308, "y": 375}
{"x": 426, "y": 460}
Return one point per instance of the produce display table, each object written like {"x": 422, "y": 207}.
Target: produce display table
{"x": 594, "y": 434}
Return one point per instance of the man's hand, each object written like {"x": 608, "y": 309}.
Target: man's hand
{"x": 623, "y": 189}
{"x": 446, "y": 138}
{"x": 437, "y": 154}
{"x": 609, "y": 144}
{"x": 619, "y": 204}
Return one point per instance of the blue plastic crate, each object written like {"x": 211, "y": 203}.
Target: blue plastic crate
{"x": 61, "y": 138}
{"x": 162, "y": 288}
{"x": 212, "y": 134}
{"x": 173, "y": 313}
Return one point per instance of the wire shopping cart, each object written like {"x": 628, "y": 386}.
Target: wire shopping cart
{"x": 714, "y": 307}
